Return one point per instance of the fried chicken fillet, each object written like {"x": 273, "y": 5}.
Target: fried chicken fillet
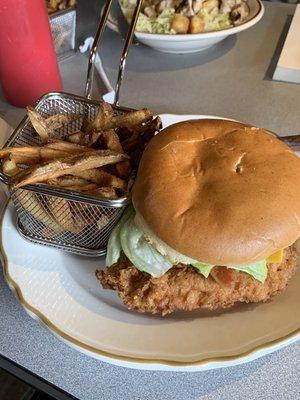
{"x": 183, "y": 288}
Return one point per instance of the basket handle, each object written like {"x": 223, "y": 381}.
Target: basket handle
{"x": 3, "y": 178}
{"x": 123, "y": 59}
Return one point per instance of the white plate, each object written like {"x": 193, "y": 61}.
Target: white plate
{"x": 192, "y": 43}
{"x": 61, "y": 291}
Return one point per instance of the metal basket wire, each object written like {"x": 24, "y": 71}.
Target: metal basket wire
{"x": 56, "y": 217}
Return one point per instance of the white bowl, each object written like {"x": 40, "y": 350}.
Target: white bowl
{"x": 191, "y": 43}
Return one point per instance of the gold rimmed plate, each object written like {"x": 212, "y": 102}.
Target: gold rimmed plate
{"x": 61, "y": 291}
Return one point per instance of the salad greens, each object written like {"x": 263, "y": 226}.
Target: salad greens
{"x": 161, "y": 24}
{"x": 215, "y": 22}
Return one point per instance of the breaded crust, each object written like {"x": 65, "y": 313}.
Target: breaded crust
{"x": 183, "y": 288}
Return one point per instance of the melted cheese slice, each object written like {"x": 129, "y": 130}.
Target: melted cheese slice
{"x": 276, "y": 257}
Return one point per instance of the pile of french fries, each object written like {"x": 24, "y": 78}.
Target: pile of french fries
{"x": 98, "y": 160}
{"x": 58, "y": 5}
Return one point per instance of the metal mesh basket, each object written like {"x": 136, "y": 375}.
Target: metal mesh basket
{"x": 71, "y": 221}
{"x": 63, "y": 28}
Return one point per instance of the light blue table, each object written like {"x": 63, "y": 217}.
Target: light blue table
{"x": 232, "y": 81}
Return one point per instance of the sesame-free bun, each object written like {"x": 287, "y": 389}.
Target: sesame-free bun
{"x": 219, "y": 192}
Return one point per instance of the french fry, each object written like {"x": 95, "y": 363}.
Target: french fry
{"x": 123, "y": 169}
{"x": 93, "y": 175}
{"x": 34, "y": 206}
{"x": 61, "y": 212}
{"x": 25, "y": 160}
{"x": 71, "y": 148}
{"x": 112, "y": 141}
{"x": 102, "y": 178}
{"x": 94, "y": 137}
{"x": 39, "y": 124}
{"x": 35, "y": 154}
{"x": 67, "y": 181}
{"x": 87, "y": 214}
{"x": 106, "y": 120}
{"x": 128, "y": 120}
{"x": 140, "y": 134}
{"x": 51, "y": 151}
{"x": 56, "y": 217}
{"x": 84, "y": 139}
{"x": 69, "y": 165}
{"x": 116, "y": 182}
{"x": 30, "y": 151}
{"x": 132, "y": 143}
{"x": 150, "y": 128}
{"x": 77, "y": 138}
{"x": 103, "y": 116}
{"x": 113, "y": 181}
{"x": 10, "y": 167}
{"x": 83, "y": 188}
{"x": 152, "y": 125}
{"x": 103, "y": 221}
{"x": 45, "y": 127}
{"x": 123, "y": 133}
{"x": 104, "y": 192}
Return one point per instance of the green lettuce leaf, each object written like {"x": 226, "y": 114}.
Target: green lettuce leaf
{"x": 144, "y": 24}
{"x": 140, "y": 252}
{"x": 258, "y": 270}
{"x": 215, "y": 22}
{"x": 204, "y": 269}
{"x": 128, "y": 237}
{"x": 162, "y": 24}
{"x": 114, "y": 247}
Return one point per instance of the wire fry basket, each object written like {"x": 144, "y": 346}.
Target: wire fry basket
{"x": 75, "y": 222}
{"x": 71, "y": 221}
{"x": 63, "y": 27}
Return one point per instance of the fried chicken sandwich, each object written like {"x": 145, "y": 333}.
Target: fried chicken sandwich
{"x": 215, "y": 218}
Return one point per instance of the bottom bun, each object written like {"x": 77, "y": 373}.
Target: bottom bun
{"x": 183, "y": 288}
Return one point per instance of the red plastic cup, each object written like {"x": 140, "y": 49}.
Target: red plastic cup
{"x": 28, "y": 63}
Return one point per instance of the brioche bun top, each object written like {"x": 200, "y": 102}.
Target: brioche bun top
{"x": 220, "y": 192}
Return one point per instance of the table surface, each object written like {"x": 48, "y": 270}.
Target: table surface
{"x": 231, "y": 80}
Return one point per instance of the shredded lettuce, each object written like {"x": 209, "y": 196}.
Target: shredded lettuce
{"x": 144, "y": 24}
{"x": 161, "y": 24}
{"x": 128, "y": 237}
